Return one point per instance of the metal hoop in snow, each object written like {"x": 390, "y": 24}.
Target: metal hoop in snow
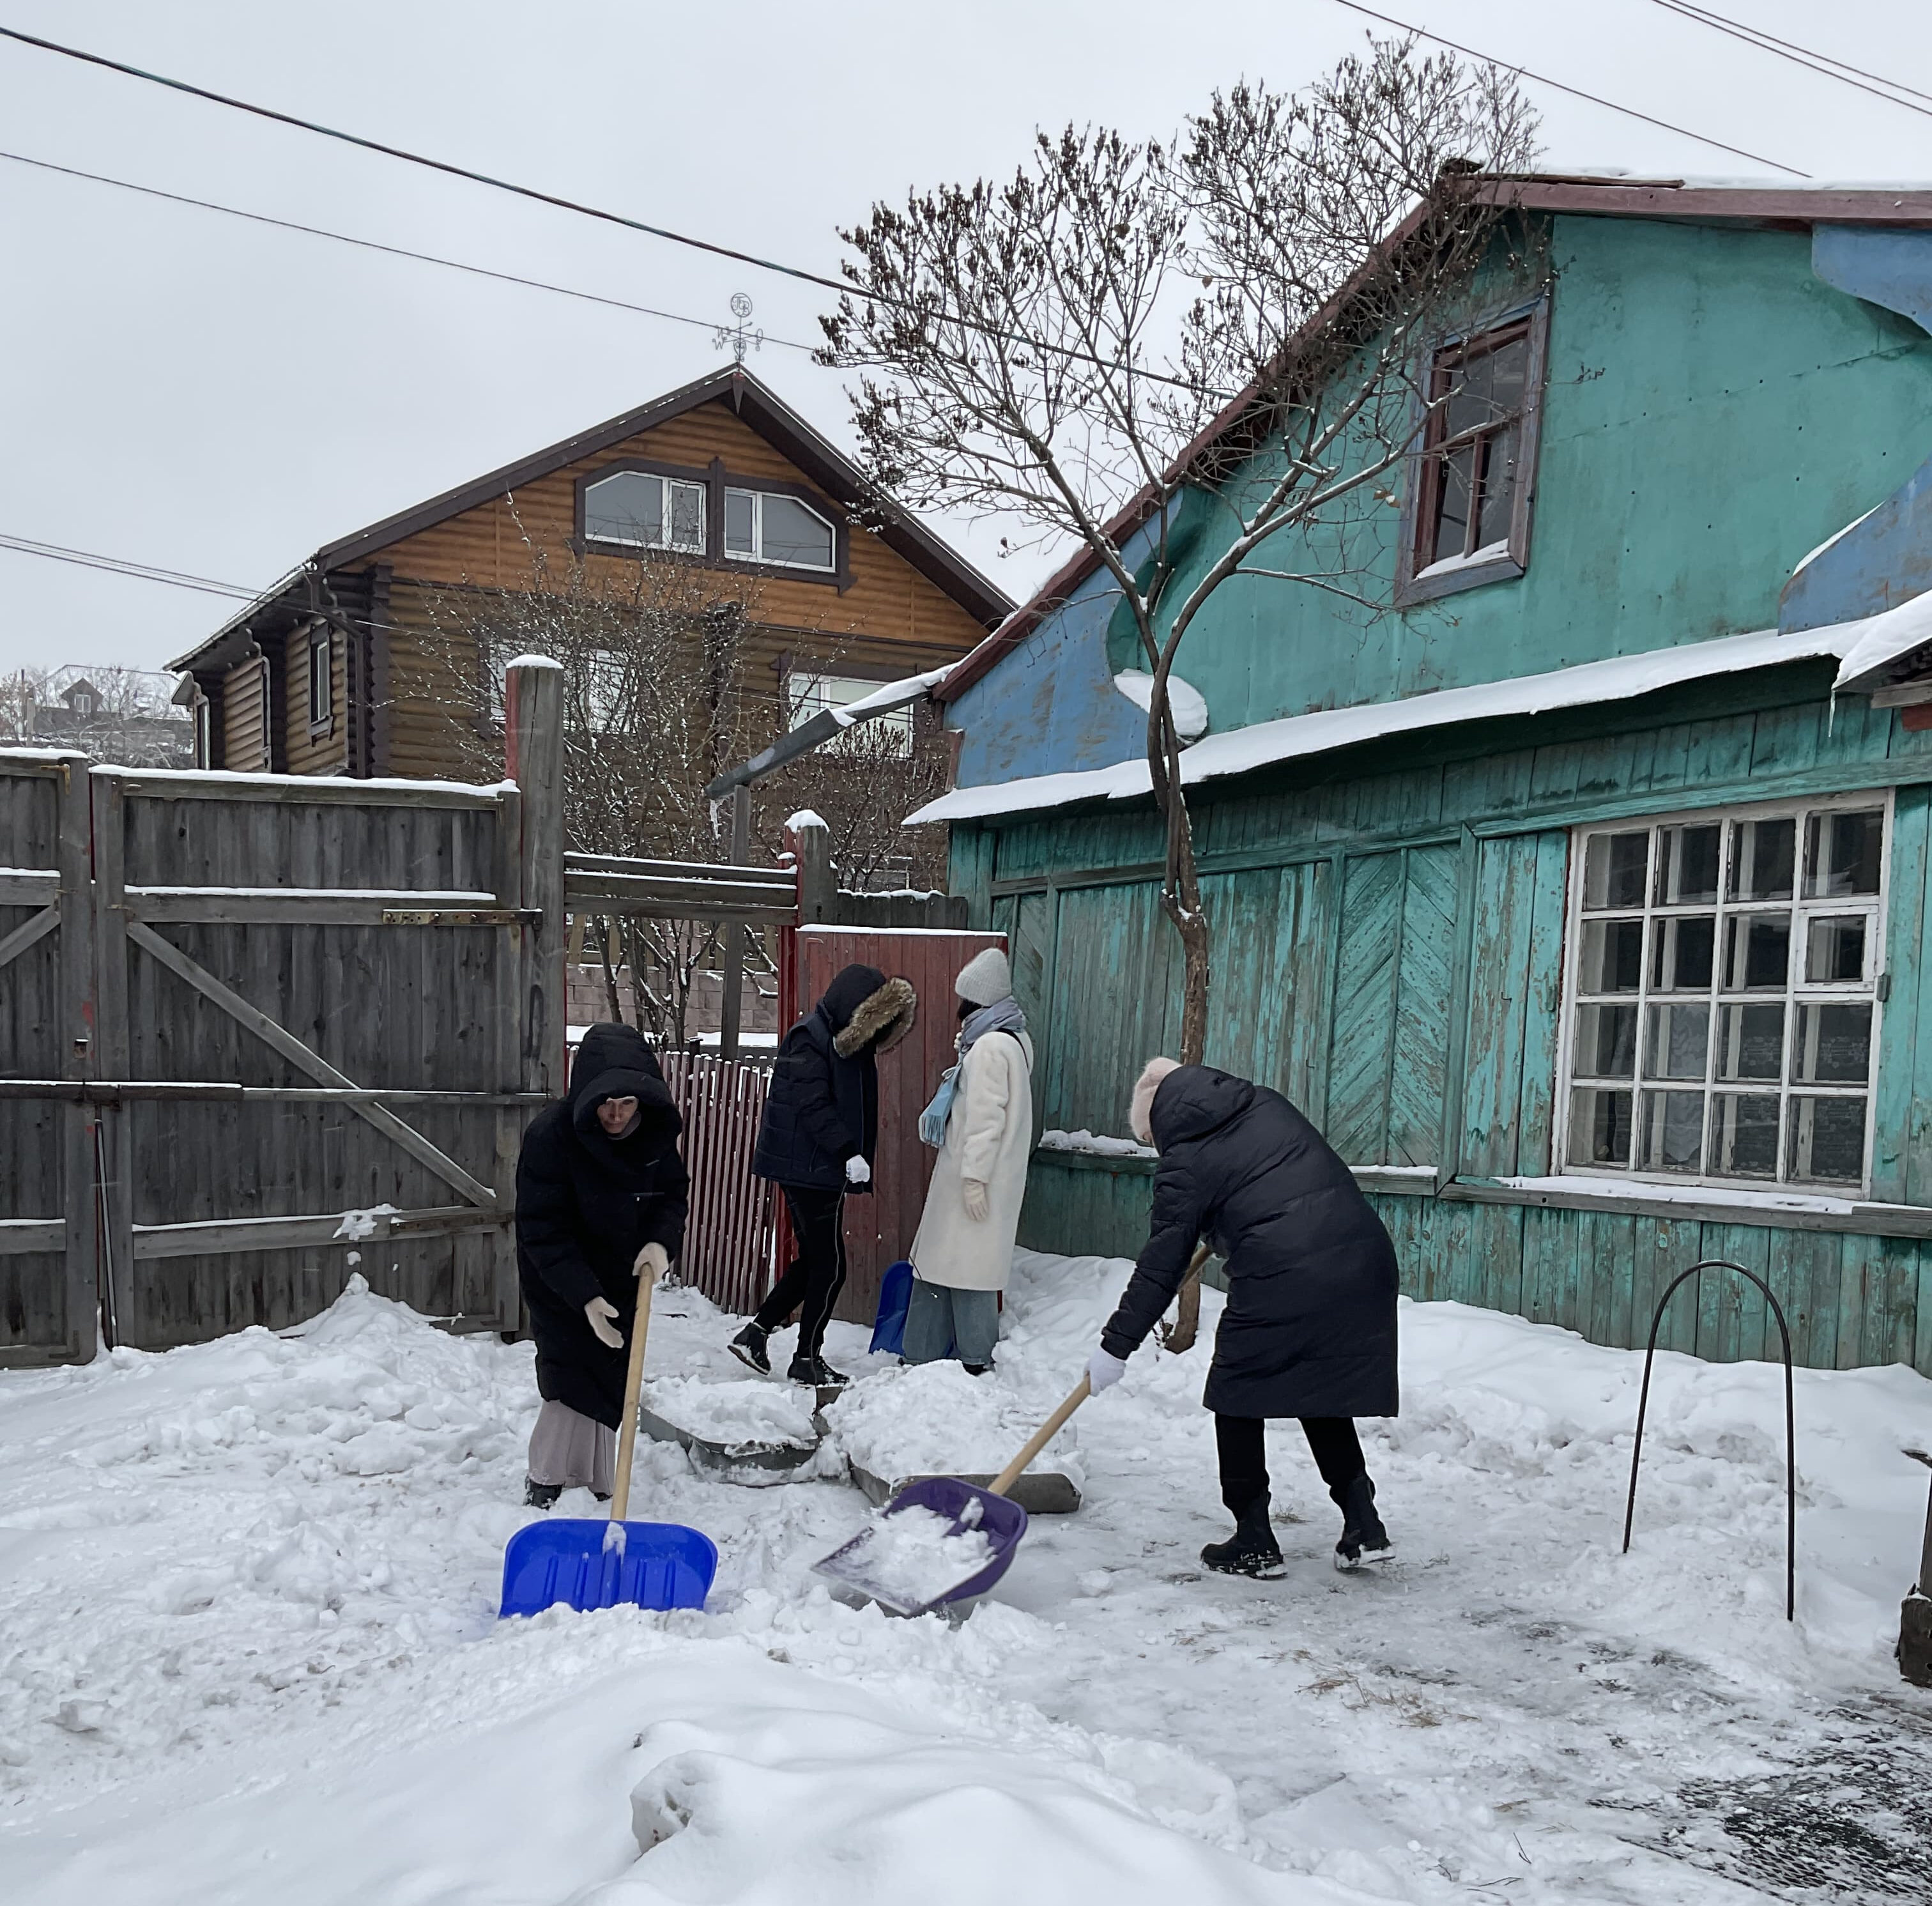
{"x": 1790, "y": 1420}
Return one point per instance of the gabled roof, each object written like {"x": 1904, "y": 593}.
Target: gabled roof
{"x": 1782, "y": 206}
{"x": 756, "y": 404}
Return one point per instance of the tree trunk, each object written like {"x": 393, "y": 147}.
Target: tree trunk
{"x": 1180, "y": 898}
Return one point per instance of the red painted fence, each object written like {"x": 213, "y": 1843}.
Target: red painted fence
{"x": 729, "y": 1243}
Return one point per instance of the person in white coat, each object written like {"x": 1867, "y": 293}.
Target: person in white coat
{"x": 981, "y": 1119}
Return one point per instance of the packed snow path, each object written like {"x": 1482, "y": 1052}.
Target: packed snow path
{"x": 247, "y": 1649}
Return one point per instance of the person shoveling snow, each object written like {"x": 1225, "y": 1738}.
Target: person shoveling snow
{"x": 601, "y": 1199}
{"x": 1310, "y": 1331}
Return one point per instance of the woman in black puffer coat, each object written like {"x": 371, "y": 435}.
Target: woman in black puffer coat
{"x": 821, "y": 1128}
{"x": 1309, "y": 1329}
{"x": 601, "y": 1195}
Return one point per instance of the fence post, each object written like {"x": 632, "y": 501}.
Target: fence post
{"x": 810, "y": 841}
{"x": 730, "y": 1007}
{"x": 79, "y": 1059}
{"x": 111, "y": 1138}
{"x": 533, "y": 759}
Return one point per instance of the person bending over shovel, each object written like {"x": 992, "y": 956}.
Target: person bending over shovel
{"x": 1309, "y": 1329}
{"x": 816, "y": 1141}
{"x": 600, "y": 1198}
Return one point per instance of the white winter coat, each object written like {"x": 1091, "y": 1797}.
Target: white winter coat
{"x": 988, "y": 1137}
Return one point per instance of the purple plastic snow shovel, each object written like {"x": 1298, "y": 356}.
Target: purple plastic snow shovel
{"x": 1001, "y": 1522}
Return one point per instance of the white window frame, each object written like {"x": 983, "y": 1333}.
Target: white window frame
{"x": 666, "y": 512}
{"x": 1798, "y": 991}
{"x": 321, "y": 647}
{"x": 757, "y": 553}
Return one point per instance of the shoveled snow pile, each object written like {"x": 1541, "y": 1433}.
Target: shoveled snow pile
{"x": 933, "y": 1419}
{"x": 744, "y": 1415}
{"x": 249, "y": 1651}
{"x": 911, "y": 1557}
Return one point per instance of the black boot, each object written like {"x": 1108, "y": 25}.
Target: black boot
{"x": 1252, "y": 1550}
{"x": 541, "y": 1495}
{"x": 817, "y": 1373}
{"x": 749, "y": 1347}
{"x": 1363, "y": 1537}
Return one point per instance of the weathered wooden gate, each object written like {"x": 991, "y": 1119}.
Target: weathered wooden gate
{"x": 257, "y": 1031}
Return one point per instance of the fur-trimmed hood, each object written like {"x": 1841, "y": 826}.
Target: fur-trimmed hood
{"x": 880, "y": 1019}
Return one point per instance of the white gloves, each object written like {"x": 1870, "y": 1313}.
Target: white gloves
{"x": 857, "y": 1171}
{"x": 656, "y": 1257}
{"x": 602, "y": 1315}
{"x": 973, "y": 1195}
{"x": 1103, "y": 1371}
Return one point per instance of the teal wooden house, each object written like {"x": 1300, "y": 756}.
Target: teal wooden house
{"x": 1581, "y": 898}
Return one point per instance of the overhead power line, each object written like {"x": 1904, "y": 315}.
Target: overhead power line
{"x": 1822, "y": 64}
{"x": 391, "y": 250}
{"x": 1071, "y": 352}
{"x": 121, "y": 566}
{"x": 1575, "y": 92}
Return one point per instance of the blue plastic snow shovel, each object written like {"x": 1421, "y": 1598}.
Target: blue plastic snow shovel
{"x": 583, "y": 1564}
{"x": 895, "y": 1301}
{"x": 1002, "y": 1523}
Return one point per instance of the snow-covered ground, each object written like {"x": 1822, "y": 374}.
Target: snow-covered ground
{"x": 247, "y": 1649}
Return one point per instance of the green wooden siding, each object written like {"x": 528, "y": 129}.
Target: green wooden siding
{"x": 1388, "y": 952}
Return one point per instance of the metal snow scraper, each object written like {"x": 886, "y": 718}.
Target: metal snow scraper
{"x": 584, "y": 1564}
{"x": 966, "y": 1506}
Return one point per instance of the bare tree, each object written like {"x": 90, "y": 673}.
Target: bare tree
{"x": 1234, "y": 323}
{"x": 108, "y": 712}
{"x": 657, "y": 700}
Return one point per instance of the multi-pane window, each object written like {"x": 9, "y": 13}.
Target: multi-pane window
{"x": 1473, "y": 449}
{"x": 645, "y": 512}
{"x": 1722, "y": 1005}
{"x": 763, "y": 526}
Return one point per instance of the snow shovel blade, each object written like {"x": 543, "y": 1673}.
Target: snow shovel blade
{"x": 583, "y": 1564}
{"x": 1002, "y": 1523}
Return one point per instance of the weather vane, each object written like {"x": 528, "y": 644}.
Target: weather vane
{"x": 739, "y": 337}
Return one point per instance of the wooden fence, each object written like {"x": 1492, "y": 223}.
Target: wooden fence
{"x": 260, "y": 1031}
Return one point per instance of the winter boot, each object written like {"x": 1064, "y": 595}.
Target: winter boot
{"x": 1252, "y": 1550}
{"x": 541, "y": 1495}
{"x": 1363, "y": 1537}
{"x": 749, "y": 1347}
{"x": 817, "y": 1373}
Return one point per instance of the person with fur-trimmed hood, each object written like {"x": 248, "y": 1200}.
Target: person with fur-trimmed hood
{"x": 1309, "y": 1329}
{"x": 981, "y": 1120}
{"x": 601, "y": 1199}
{"x": 820, "y": 1131}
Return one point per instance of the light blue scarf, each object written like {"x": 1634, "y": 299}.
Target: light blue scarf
{"x": 1003, "y": 1015}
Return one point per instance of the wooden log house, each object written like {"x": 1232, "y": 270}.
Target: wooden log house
{"x": 340, "y": 669}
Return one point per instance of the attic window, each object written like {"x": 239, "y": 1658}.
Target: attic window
{"x": 1469, "y": 514}
{"x": 642, "y": 510}
{"x": 762, "y": 526}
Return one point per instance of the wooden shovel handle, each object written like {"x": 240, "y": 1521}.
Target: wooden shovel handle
{"x": 1044, "y": 1435}
{"x": 634, "y": 1377}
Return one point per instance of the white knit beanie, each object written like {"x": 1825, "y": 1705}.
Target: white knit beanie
{"x": 985, "y": 979}
{"x": 1140, "y": 1113}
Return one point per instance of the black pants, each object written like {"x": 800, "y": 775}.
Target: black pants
{"x": 1337, "y": 1450}
{"x": 811, "y": 1283}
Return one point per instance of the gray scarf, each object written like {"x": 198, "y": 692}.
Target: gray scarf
{"x": 1003, "y": 1015}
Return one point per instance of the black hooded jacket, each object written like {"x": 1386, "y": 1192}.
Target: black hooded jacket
{"x": 823, "y": 1105}
{"x": 1310, "y": 1328}
{"x": 587, "y": 1204}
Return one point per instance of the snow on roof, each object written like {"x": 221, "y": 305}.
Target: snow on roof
{"x": 1238, "y": 751}
{"x": 1884, "y": 638}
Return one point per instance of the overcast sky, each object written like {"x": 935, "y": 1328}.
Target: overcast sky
{"x": 184, "y": 389}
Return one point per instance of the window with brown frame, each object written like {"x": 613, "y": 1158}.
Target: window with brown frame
{"x": 1469, "y": 516}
